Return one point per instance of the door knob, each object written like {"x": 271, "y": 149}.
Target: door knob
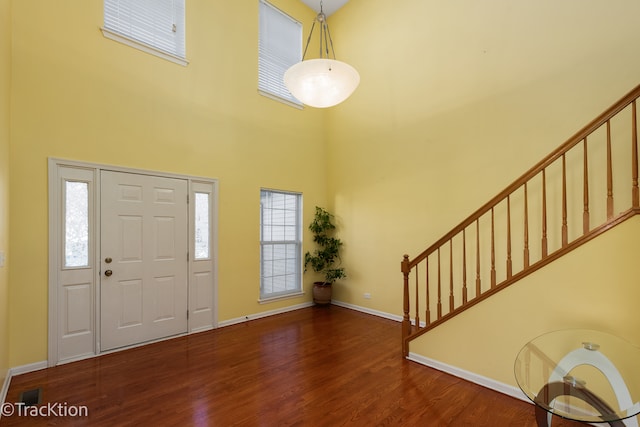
{"x": 108, "y": 260}
{"x": 108, "y": 273}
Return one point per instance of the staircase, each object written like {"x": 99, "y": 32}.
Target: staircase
{"x": 586, "y": 186}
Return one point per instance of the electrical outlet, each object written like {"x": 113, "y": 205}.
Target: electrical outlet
{"x": 1, "y": 259}
{"x": 367, "y": 295}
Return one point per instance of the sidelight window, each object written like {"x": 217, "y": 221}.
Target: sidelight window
{"x": 76, "y": 224}
{"x": 202, "y": 226}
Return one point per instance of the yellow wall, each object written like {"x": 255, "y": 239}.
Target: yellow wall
{"x": 5, "y": 99}
{"x": 457, "y": 99}
{"x": 78, "y": 95}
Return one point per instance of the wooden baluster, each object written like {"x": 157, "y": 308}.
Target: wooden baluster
{"x": 526, "y": 228}
{"x": 427, "y": 302}
{"x": 439, "y": 289}
{"x": 565, "y": 229}
{"x": 585, "y": 212}
{"x": 635, "y": 195}
{"x": 493, "y": 252}
{"x": 417, "y": 320}
{"x": 478, "y": 280}
{"x": 609, "y": 174}
{"x": 451, "y": 304}
{"x": 464, "y": 267}
{"x": 509, "y": 264}
{"x": 545, "y": 250}
{"x": 406, "y": 321}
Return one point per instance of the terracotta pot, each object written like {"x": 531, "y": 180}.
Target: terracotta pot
{"x": 322, "y": 293}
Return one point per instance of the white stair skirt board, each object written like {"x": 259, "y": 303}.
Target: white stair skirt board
{"x": 471, "y": 377}
{"x": 452, "y": 370}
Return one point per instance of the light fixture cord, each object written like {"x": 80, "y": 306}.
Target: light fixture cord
{"x": 308, "y": 39}
{"x": 328, "y": 33}
{"x": 325, "y": 35}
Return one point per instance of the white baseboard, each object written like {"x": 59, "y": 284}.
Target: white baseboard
{"x": 255, "y": 316}
{"x": 201, "y": 329}
{"x": 452, "y": 370}
{"x": 503, "y": 388}
{"x": 368, "y": 310}
{"x": 470, "y": 376}
{"x": 4, "y": 390}
{"x": 18, "y": 370}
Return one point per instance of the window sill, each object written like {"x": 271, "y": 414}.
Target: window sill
{"x": 280, "y": 99}
{"x": 279, "y": 298}
{"x": 112, "y": 35}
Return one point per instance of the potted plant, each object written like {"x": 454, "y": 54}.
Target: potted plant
{"x": 326, "y": 257}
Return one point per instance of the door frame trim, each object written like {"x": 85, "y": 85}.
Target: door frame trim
{"x": 55, "y": 240}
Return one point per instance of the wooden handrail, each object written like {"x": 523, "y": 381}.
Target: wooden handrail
{"x": 410, "y": 266}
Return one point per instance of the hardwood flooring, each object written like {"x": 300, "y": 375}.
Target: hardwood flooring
{"x": 319, "y": 366}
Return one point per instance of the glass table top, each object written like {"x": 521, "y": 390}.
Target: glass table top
{"x": 582, "y": 375}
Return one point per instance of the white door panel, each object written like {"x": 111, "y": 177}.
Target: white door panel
{"x": 146, "y": 227}
{"x": 144, "y": 233}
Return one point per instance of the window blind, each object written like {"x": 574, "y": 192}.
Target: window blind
{"x": 279, "y": 47}
{"x": 280, "y": 243}
{"x": 156, "y": 23}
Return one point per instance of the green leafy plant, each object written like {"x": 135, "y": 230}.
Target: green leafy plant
{"x": 326, "y": 257}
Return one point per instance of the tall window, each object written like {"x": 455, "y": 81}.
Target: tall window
{"x": 76, "y": 224}
{"x": 279, "y": 47}
{"x": 154, "y": 26}
{"x": 280, "y": 243}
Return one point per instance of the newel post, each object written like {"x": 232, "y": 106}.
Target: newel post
{"x": 406, "y": 321}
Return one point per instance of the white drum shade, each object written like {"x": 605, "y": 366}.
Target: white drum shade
{"x": 321, "y": 82}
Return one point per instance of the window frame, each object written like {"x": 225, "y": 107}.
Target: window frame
{"x": 267, "y": 60}
{"x": 297, "y": 242}
{"x": 114, "y": 33}
{"x": 203, "y": 273}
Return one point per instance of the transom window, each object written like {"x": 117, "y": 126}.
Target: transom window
{"x": 280, "y": 243}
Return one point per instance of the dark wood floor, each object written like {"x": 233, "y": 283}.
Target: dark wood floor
{"x": 320, "y": 366}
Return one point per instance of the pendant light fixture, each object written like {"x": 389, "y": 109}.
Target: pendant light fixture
{"x": 322, "y": 82}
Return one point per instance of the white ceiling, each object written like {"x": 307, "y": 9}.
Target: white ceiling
{"x": 328, "y": 6}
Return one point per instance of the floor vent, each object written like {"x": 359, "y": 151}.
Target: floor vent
{"x": 31, "y": 397}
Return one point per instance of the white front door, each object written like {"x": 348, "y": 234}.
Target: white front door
{"x": 143, "y": 258}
